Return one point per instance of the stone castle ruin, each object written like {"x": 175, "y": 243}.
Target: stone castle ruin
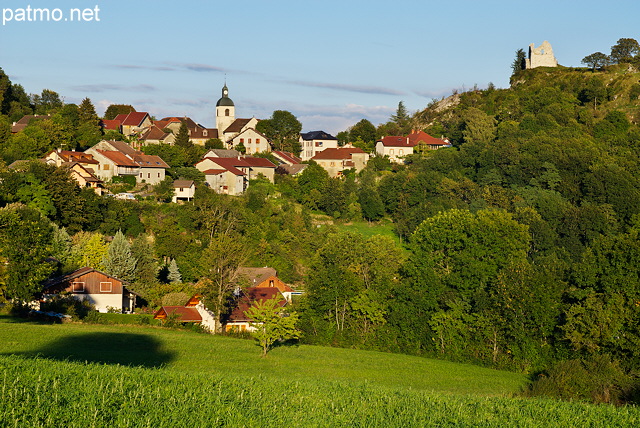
{"x": 541, "y": 56}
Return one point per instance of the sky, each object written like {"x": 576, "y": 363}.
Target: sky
{"x": 330, "y": 63}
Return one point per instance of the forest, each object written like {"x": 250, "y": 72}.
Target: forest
{"x": 516, "y": 248}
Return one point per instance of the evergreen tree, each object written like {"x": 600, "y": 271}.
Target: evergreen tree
{"x": 402, "y": 119}
{"x": 119, "y": 261}
{"x": 174, "y": 273}
{"x": 87, "y": 112}
{"x": 182, "y": 138}
{"x": 147, "y": 265}
{"x": 519, "y": 63}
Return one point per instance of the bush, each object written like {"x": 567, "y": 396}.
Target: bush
{"x": 68, "y": 305}
{"x": 597, "y": 379}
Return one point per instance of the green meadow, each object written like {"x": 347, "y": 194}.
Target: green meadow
{"x": 80, "y": 375}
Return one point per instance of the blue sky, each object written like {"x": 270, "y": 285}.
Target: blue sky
{"x": 331, "y": 63}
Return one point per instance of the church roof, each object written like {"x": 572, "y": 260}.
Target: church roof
{"x": 225, "y": 100}
{"x": 317, "y": 135}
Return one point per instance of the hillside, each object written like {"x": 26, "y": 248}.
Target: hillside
{"x": 126, "y": 377}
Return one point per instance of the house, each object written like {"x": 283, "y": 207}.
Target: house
{"x": 84, "y": 176}
{"x": 156, "y": 135}
{"x": 134, "y": 123}
{"x": 224, "y": 175}
{"x": 184, "y": 190}
{"x": 110, "y": 125}
{"x": 222, "y": 153}
{"x": 260, "y": 166}
{"x": 117, "y": 158}
{"x": 59, "y": 157}
{"x": 266, "y": 277}
{"x": 103, "y": 291}
{"x": 193, "y": 311}
{"x": 397, "y": 147}
{"x": 152, "y": 168}
{"x": 315, "y": 142}
{"x": 252, "y": 140}
{"x": 237, "y": 321}
{"x": 336, "y": 160}
{"x": 25, "y": 120}
{"x": 423, "y": 142}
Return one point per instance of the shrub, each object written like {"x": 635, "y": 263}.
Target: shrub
{"x": 68, "y": 305}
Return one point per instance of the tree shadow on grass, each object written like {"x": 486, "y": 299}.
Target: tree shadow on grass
{"x": 106, "y": 348}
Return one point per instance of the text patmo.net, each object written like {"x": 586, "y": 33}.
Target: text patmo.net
{"x": 29, "y": 14}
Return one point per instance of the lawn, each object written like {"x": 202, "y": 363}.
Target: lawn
{"x": 78, "y": 375}
{"x": 368, "y": 229}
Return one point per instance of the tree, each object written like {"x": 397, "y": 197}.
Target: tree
{"x": 624, "y": 50}
{"x": 479, "y": 127}
{"x": 402, "y": 119}
{"x": 118, "y": 261}
{"x": 363, "y": 130}
{"x": 519, "y": 62}
{"x": 115, "y": 109}
{"x": 213, "y": 143}
{"x": 272, "y": 323}
{"x": 283, "y": 130}
{"x": 595, "y": 60}
{"x": 25, "y": 243}
{"x": 174, "y": 276}
{"x": 147, "y": 266}
{"x": 182, "y": 138}
{"x": 87, "y": 112}
{"x": 47, "y": 102}
{"x": 220, "y": 272}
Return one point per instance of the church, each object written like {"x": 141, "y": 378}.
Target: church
{"x": 238, "y": 132}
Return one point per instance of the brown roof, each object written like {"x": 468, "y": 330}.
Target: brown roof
{"x": 291, "y": 169}
{"x": 200, "y": 132}
{"x": 75, "y": 274}
{"x": 214, "y": 171}
{"x": 150, "y": 161}
{"x": 237, "y": 125}
{"x": 154, "y": 133}
{"x": 25, "y": 120}
{"x": 224, "y": 153}
{"x": 182, "y": 183}
{"x": 258, "y": 162}
{"x": 123, "y": 147}
{"x": 256, "y": 275}
{"x": 230, "y": 164}
{"x": 339, "y": 153}
{"x": 184, "y": 313}
{"x": 118, "y": 158}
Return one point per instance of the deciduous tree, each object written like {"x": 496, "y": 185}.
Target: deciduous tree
{"x": 272, "y": 323}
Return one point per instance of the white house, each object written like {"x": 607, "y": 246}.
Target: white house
{"x": 314, "y": 142}
{"x": 183, "y": 190}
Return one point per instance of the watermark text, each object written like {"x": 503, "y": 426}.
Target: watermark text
{"x": 32, "y": 14}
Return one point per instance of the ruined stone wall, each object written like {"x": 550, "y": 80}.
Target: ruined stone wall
{"x": 541, "y": 56}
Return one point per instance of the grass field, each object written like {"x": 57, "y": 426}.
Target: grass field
{"x": 367, "y": 229}
{"x": 93, "y": 375}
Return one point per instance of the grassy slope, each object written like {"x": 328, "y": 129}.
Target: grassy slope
{"x": 188, "y": 379}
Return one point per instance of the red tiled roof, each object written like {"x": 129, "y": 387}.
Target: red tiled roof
{"x": 396, "y": 141}
{"x": 259, "y": 162}
{"x": 118, "y": 158}
{"x": 80, "y": 157}
{"x": 121, "y": 117}
{"x": 288, "y": 157}
{"x": 214, "y": 171}
{"x": 252, "y": 295}
{"x": 339, "y": 153}
{"x": 184, "y": 314}
{"x": 135, "y": 118}
{"x": 422, "y": 137}
{"x": 111, "y": 124}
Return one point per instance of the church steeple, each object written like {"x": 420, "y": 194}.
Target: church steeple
{"x": 225, "y": 112}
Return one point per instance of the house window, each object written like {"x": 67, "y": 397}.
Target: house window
{"x": 204, "y": 133}
{"x": 333, "y": 164}
{"x": 271, "y": 283}
{"x": 105, "y": 167}
{"x": 158, "y": 175}
{"x": 391, "y": 151}
{"x": 105, "y": 287}
{"x": 257, "y": 140}
{"x": 249, "y": 141}
{"x": 401, "y": 152}
{"x": 78, "y": 287}
{"x": 140, "y": 175}
{"x": 148, "y": 175}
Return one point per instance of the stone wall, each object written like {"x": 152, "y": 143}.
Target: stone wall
{"x": 541, "y": 56}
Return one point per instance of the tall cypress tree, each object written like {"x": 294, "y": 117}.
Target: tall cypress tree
{"x": 119, "y": 261}
{"x": 182, "y": 139}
